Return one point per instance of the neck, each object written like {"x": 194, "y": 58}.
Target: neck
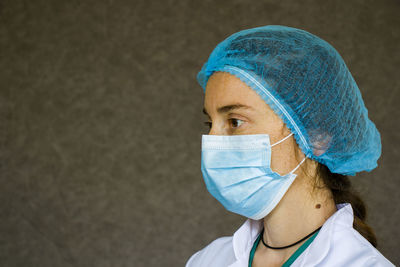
{"x": 291, "y": 220}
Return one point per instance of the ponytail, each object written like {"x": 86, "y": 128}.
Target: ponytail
{"x": 343, "y": 192}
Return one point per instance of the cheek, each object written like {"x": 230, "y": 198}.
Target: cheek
{"x": 274, "y": 133}
{"x": 283, "y": 158}
{"x": 269, "y": 125}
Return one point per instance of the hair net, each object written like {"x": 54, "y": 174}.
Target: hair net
{"x": 306, "y": 82}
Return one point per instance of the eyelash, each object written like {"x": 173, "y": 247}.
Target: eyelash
{"x": 209, "y": 124}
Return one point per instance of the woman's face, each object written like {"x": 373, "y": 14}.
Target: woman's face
{"x": 233, "y": 108}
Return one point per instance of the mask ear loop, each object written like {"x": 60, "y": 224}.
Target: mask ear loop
{"x": 301, "y": 162}
{"x": 282, "y": 139}
{"x": 298, "y": 165}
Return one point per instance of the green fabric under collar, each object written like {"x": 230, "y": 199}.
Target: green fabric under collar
{"x": 292, "y": 258}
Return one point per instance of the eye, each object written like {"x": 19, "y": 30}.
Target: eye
{"x": 236, "y": 123}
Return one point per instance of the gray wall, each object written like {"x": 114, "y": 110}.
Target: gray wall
{"x": 101, "y": 123}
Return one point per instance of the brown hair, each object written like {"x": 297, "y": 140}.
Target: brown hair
{"x": 343, "y": 192}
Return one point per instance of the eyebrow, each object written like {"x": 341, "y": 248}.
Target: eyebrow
{"x": 227, "y": 108}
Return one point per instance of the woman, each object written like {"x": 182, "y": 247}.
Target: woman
{"x": 287, "y": 125}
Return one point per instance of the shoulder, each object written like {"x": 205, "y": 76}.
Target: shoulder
{"x": 217, "y": 253}
{"x": 350, "y": 248}
{"x": 351, "y": 240}
{"x": 339, "y": 244}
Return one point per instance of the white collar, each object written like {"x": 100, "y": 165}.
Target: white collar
{"x": 244, "y": 237}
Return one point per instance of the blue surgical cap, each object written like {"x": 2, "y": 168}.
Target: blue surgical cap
{"x": 306, "y": 82}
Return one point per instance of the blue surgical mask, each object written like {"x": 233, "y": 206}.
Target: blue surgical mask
{"x": 237, "y": 172}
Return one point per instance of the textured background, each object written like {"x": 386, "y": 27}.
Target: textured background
{"x": 101, "y": 122}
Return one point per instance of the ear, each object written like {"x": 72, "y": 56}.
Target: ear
{"x": 320, "y": 143}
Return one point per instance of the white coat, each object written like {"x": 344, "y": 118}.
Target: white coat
{"x": 337, "y": 244}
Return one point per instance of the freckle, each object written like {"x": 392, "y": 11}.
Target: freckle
{"x": 318, "y": 206}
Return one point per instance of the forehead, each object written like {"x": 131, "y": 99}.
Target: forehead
{"x": 225, "y": 89}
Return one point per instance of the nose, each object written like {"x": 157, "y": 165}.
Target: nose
{"x": 216, "y": 130}
{"x": 212, "y": 131}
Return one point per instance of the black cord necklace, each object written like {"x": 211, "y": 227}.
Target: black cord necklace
{"x": 288, "y": 246}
